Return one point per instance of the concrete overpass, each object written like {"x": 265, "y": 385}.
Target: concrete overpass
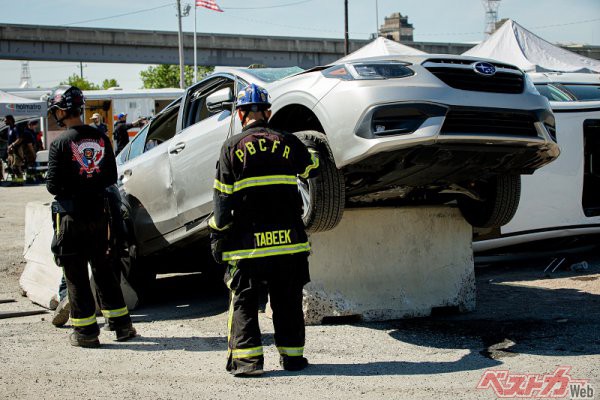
{"x": 53, "y": 43}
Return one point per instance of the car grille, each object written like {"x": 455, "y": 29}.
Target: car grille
{"x": 501, "y": 122}
{"x": 461, "y": 76}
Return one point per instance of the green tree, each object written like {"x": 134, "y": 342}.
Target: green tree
{"x": 167, "y": 76}
{"x": 81, "y": 83}
{"x": 108, "y": 83}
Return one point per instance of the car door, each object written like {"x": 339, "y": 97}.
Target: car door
{"x": 194, "y": 152}
{"x": 145, "y": 182}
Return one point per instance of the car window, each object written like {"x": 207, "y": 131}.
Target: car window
{"x": 138, "y": 144}
{"x": 122, "y": 156}
{"x": 195, "y": 109}
{"x": 552, "y": 92}
{"x": 584, "y": 92}
{"x": 163, "y": 127}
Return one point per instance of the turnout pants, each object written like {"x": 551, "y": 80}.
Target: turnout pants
{"x": 77, "y": 242}
{"x": 284, "y": 277}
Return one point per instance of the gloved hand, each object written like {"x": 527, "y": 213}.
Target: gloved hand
{"x": 217, "y": 244}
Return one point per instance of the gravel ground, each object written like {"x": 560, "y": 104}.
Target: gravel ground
{"x": 525, "y": 323}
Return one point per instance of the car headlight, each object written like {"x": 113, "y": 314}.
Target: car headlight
{"x": 369, "y": 70}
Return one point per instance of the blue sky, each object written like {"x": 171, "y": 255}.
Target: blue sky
{"x": 573, "y": 21}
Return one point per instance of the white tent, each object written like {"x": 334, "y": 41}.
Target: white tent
{"x": 381, "y": 47}
{"x": 21, "y": 107}
{"x": 513, "y": 44}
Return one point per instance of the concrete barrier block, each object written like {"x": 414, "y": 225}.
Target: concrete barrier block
{"x": 41, "y": 277}
{"x": 388, "y": 263}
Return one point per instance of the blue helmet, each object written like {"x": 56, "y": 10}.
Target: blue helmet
{"x": 253, "y": 98}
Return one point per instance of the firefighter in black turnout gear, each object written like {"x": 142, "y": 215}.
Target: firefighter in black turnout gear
{"x": 257, "y": 229}
{"x": 81, "y": 165}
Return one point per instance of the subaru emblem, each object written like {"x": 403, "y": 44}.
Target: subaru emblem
{"x": 484, "y": 68}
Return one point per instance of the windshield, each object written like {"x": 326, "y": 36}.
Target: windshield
{"x": 273, "y": 74}
{"x": 552, "y": 92}
{"x": 584, "y": 92}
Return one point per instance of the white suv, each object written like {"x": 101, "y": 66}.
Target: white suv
{"x": 390, "y": 131}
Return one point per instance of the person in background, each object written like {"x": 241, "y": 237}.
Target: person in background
{"x": 15, "y": 162}
{"x": 98, "y": 124}
{"x": 121, "y": 133}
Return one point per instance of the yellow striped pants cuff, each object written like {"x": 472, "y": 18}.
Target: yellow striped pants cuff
{"x": 291, "y": 351}
{"x": 119, "y": 312}
{"x": 247, "y": 353}
{"x": 79, "y": 322}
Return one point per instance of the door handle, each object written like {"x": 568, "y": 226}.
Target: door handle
{"x": 178, "y": 148}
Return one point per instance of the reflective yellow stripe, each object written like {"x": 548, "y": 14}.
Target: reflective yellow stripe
{"x": 115, "y": 313}
{"x": 222, "y": 187}
{"x": 315, "y": 164}
{"x": 266, "y": 251}
{"x": 83, "y": 321}
{"x": 247, "y": 353}
{"x": 291, "y": 351}
{"x": 57, "y": 223}
{"x": 264, "y": 181}
{"x": 213, "y": 225}
{"x": 232, "y": 271}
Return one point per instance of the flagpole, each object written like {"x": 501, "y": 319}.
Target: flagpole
{"x": 195, "y": 47}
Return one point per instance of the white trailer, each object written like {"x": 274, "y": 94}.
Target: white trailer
{"x": 561, "y": 199}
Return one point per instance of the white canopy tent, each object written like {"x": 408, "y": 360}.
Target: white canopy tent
{"x": 381, "y": 47}
{"x": 21, "y": 107}
{"x": 513, "y": 44}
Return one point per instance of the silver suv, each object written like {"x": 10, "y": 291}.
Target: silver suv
{"x": 393, "y": 130}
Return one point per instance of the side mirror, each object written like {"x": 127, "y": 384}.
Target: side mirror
{"x": 220, "y": 100}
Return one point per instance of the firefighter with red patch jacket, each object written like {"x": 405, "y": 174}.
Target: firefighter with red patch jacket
{"x": 257, "y": 229}
{"x": 81, "y": 165}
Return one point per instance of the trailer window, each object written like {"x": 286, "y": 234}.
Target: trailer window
{"x": 591, "y": 167}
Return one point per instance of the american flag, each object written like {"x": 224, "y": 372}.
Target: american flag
{"x": 210, "y": 4}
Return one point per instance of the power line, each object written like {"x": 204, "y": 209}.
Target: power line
{"x": 120, "y": 15}
{"x": 265, "y": 7}
{"x": 567, "y": 23}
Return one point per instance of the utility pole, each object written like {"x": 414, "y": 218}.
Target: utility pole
{"x": 346, "y": 39}
{"x": 81, "y": 69}
{"x": 376, "y": 19}
{"x": 181, "y": 62}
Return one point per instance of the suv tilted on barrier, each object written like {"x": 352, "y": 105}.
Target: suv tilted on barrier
{"x": 389, "y": 131}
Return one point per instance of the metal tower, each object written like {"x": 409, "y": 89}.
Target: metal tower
{"x": 491, "y": 15}
{"x": 25, "y": 75}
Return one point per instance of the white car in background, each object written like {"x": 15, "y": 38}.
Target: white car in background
{"x": 567, "y": 86}
{"x": 394, "y": 130}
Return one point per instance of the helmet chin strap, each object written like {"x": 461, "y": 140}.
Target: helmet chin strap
{"x": 59, "y": 122}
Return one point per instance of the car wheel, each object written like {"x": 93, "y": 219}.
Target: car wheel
{"x": 323, "y": 196}
{"x": 500, "y": 201}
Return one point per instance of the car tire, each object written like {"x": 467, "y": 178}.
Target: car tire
{"x": 501, "y": 199}
{"x": 324, "y": 195}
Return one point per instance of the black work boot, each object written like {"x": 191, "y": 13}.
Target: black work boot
{"x": 81, "y": 340}
{"x": 293, "y": 363}
{"x": 126, "y": 333}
